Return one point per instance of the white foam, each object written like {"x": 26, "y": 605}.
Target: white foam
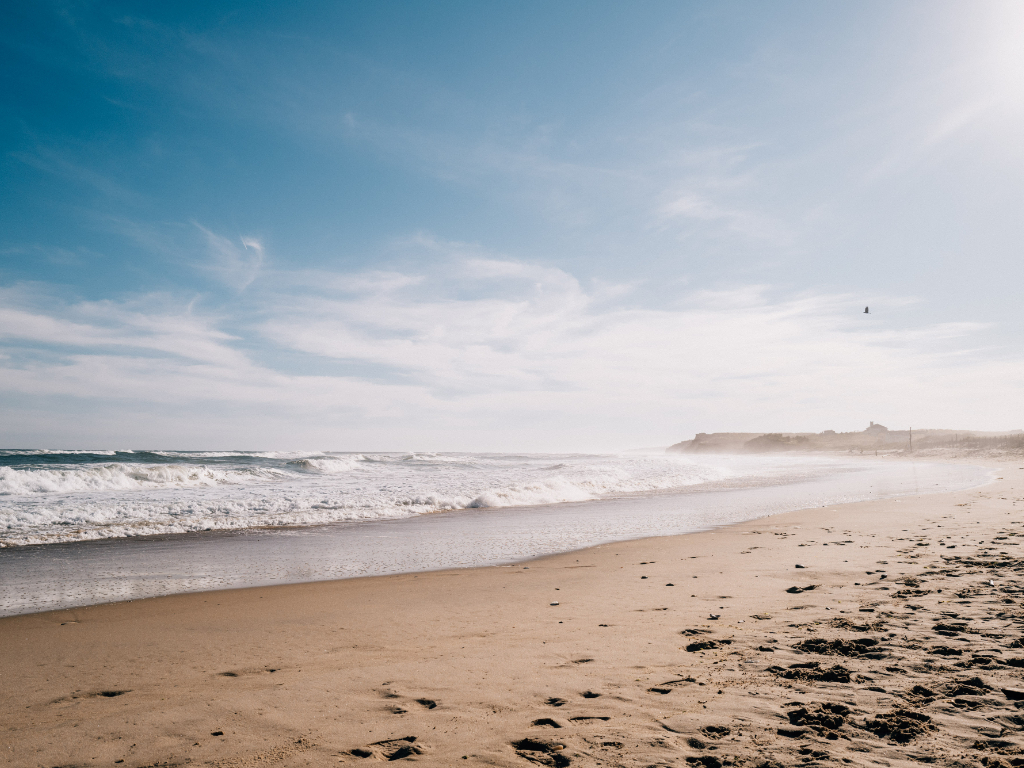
{"x": 48, "y": 452}
{"x": 119, "y": 477}
{"x": 328, "y": 466}
{"x": 210, "y": 491}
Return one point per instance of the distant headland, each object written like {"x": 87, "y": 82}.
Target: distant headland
{"x": 875, "y": 439}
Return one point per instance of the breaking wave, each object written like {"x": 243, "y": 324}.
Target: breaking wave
{"x": 72, "y": 496}
{"x": 328, "y": 466}
{"x": 120, "y": 477}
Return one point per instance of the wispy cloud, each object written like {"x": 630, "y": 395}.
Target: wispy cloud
{"x": 702, "y": 208}
{"x": 59, "y": 163}
{"x": 234, "y": 264}
{"x": 489, "y": 352}
{"x": 147, "y": 325}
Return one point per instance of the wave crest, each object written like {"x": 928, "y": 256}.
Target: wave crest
{"x": 173, "y": 492}
{"x": 123, "y": 477}
{"x": 329, "y": 466}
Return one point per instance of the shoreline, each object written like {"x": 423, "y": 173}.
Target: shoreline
{"x": 625, "y": 670}
{"x": 701, "y": 486}
{"x": 68, "y": 574}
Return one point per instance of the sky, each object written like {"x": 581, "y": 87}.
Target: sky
{"x": 489, "y": 226}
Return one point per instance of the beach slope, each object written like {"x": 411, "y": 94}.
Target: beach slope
{"x": 885, "y": 632}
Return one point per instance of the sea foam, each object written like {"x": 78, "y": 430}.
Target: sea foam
{"x": 48, "y": 497}
{"x": 119, "y": 477}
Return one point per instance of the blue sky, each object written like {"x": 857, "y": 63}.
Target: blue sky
{"x": 507, "y": 226}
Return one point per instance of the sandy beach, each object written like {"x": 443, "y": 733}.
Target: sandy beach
{"x": 877, "y": 633}
{"x": 511, "y": 384}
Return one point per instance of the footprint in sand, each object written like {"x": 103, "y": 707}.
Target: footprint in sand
{"x": 707, "y": 645}
{"x": 824, "y": 719}
{"x": 248, "y": 672}
{"x": 900, "y": 725}
{"x": 864, "y": 647}
{"x": 89, "y": 695}
{"x": 541, "y": 752}
{"x": 390, "y": 749}
{"x": 798, "y": 590}
{"x": 813, "y": 672}
{"x": 705, "y": 761}
{"x": 716, "y": 731}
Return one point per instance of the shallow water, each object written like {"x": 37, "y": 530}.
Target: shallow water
{"x": 62, "y": 575}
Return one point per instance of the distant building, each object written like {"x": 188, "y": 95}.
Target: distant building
{"x": 876, "y": 429}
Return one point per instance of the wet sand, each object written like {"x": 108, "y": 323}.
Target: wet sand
{"x": 898, "y": 642}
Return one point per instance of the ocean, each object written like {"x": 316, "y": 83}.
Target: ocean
{"x": 60, "y": 496}
{"x": 81, "y": 527}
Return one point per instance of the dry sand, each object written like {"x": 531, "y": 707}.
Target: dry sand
{"x": 906, "y": 650}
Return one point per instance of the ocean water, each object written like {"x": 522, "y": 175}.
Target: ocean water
{"x": 80, "y": 528}
{"x": 60, "y": 496}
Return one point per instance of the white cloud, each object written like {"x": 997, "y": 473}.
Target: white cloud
{"x": 749, "y": 223}
{"x": 234, "y": 265}
{"x": 488, "y": 353}
{"x": 150, "y": 324}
